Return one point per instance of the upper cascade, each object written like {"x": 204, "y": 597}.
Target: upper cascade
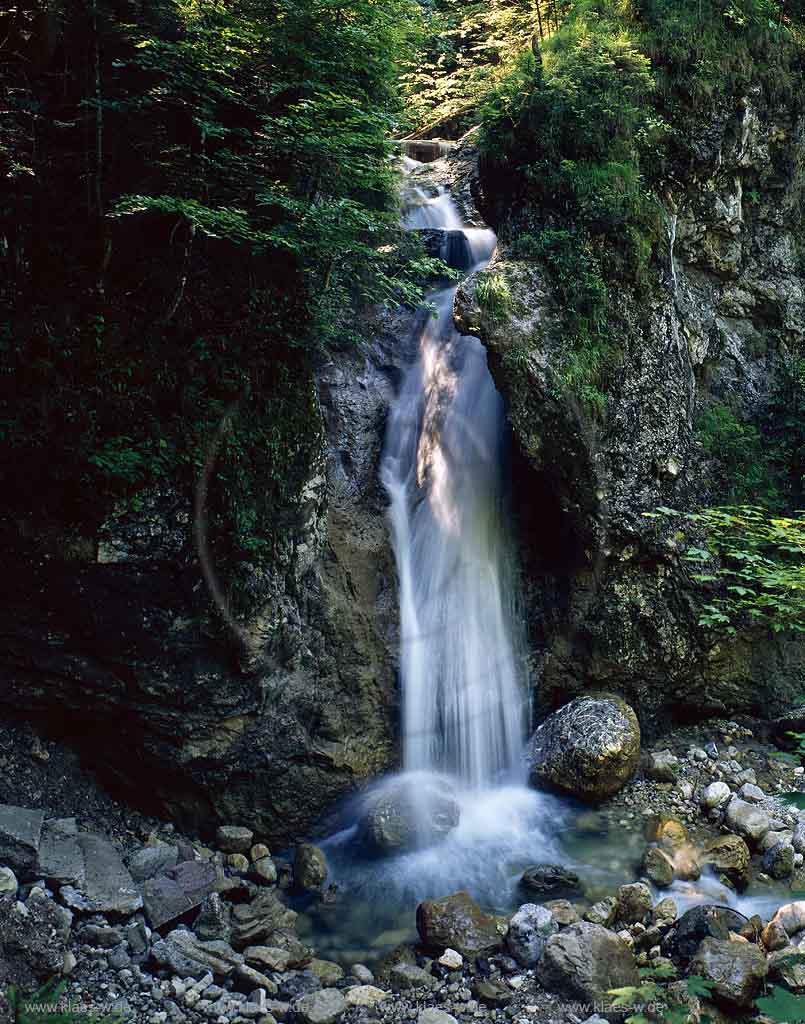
{"x": 444, "y": 469}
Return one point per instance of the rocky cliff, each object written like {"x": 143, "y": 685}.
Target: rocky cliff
{"x": 611, "y": 603}
{"x": 124, "y": 655}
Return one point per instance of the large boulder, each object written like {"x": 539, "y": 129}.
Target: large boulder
{"x": 729, "y": 856}
{"x": 253, "y": 923}
{"x": 747, "y": 820}
{"x": 696, "y": 925}
{"x": 585, "y": 961}
{"x": 457, "y": 922}
{"x": 409, "y": 812}
{"x": 736, "y": 969}
{"x": 529, "y": 931}
{"x": 589, "y": 748}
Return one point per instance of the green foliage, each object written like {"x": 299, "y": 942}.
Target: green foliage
{"x": 208, "y": 200}
{"x": 651, "y": 1000}
{"x": 782, "y": 1006}
{"x": 740, "y": 455}
{"x": 494, "y": 296}
{"x": 580, "y": 141}
{"x": 753, "y": 567}
{"x": 47, "y": 1006}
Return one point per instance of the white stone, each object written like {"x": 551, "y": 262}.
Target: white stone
{"x": 451, "y": 959}
{"x": 716, "y": 794}
{"x": 365, "y": 995}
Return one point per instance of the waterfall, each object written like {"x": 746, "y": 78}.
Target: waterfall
{"x": 443, "y": 468}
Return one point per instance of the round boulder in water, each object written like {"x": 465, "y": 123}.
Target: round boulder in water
{"x": 408, "y": 813}
{"x": 589, "y": 748}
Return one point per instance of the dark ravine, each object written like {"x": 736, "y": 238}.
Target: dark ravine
{"x": 156, "y": 694}
{"x": 277, "y": 734}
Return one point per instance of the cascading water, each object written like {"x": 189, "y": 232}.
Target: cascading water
{"x": 476, "y": 825}
{"x": 443, "y": 462}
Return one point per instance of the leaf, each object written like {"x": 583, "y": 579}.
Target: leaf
{"x": 782, "y": 1006}
{"x": 699, "y": 987}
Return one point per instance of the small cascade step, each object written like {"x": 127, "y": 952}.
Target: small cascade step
{"x": 425, "y": 151}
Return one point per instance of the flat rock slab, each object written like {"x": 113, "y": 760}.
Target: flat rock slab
{"x": 107, "y": 888}
{"x": 152, "y": 861}
{"x": 20, "y": 832}
{"x": 178, "y": 890}
{"x": 61, "y": 856}
{"x": 189, "y": 957}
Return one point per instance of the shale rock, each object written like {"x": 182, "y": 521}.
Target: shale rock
{"x": 737, "y": 970}
{"x": 585, "y": 961}
{"x": 20, "y": 832}
{"x": 60, "y": 858}
{"x": 177, "y": 891}
{"x": 457, "y": 922}
{"x": 589, "y": 748}
{"x": 255, "y": 921}
{"x": 408, "y": 813}
{"x": 152, "y": 861}
{"x": 529, "y": 930}
{"x": 406, "y": 976}
{"x": 233, "y": 838}
{"x": 107, "y": 886}
{"x": 189, "y": 957}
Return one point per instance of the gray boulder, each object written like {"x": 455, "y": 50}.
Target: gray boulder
{"x": 729, "y": 856}
{"x": 20, "y": 832}
{"x": 529, "y": 931}
{"x": 324, "y": 1007}
{"x": 409, "y": 813}
{"x": 736, "y": 969}
{"x": 634, "y": 903}
{"x": 778, "y": 861}
{"x": 697, "y": 924}
{"x": 747, "y": 820}
{"x": 662, "y": 766}
{"x": 234, "y": 839}
{"x": 408, "y": 976}
{"x": 213, "y": 921}
{"x": 177, "y": 891}
{"x": 585, "y": 961}
{"x": 8, "y": 883}
{"x": 589, "y": 748}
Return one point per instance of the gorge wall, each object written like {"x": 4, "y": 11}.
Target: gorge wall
{"x": 611, "y": 602}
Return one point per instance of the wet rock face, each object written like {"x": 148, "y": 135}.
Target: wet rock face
{"x": 589, "y": 748}
{"x": 269, "y": 730}
{"x": 610, "y": 605}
